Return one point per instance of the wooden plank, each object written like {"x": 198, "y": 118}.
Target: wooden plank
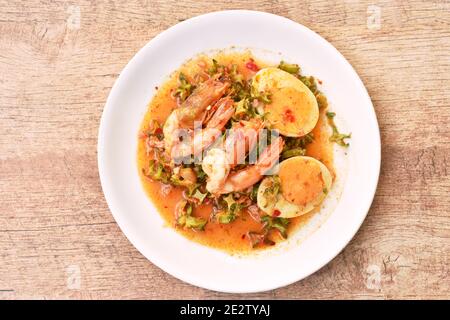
{"x": 56, "y": 72}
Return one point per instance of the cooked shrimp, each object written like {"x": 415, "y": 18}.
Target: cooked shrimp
{"x": 221, "y": 159}
{"x": 216, "y": 166}
{"x": 194, "y": 109}
{"x": 242, "y": 179}
{"x": 198, "y": 140}
{"x": 242, "y": 138}
{"x": 154, "y": 143}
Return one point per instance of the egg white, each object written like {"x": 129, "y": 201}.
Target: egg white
{"x": 286, "y": 208}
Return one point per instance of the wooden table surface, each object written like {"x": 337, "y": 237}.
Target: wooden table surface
{"x": 58, "y": 61}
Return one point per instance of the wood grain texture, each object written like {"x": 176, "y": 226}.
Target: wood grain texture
{"x": 55, "y": 78}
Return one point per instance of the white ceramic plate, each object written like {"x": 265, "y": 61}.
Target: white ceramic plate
{"x": 127, "y": 103}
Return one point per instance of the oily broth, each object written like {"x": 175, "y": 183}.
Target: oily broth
{"x": 228, "y": 237}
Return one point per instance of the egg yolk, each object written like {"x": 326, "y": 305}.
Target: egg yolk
{"x": 291, "y": 109}
{"x": 301, "y": 181}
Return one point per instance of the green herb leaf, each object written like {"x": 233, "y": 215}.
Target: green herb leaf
{"x": 195, "y": 222}
{"x": 242, "y": 107}
{"x": 184, "y": 89}
{"x": 281, "y": 224}
{"x": 200, "y": 196}
{"x": 235, "y": 75}
{"x": 254, "y": 193}
{"x": 263, "y": 97}
{"x": 157, "y": 172}
{"x": 181, "y": 221}
{"x": 292, "y": 153}
{"x": 215, "y": 68}
{"x": 271, "y": 192}
{"x": 185, "y": 218}
{"x": 232, "y": 210}
{"x": 321, "y": 100}
{"x": 289, "y": 67}
{"x": 229, "y": 200}
{"x": 310, "y": 82}
{"x": 297, "y": 143}
{"x": 330, "y": 115}
{"x": 226, "y": 218}
{"x": 337, "y": 137}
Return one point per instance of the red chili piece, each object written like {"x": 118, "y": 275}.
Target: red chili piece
{"x": 251, "y": 65}
{"x": 288, "y": 116}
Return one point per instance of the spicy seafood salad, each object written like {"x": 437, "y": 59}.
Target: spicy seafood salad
{"x": 236, "y": 153}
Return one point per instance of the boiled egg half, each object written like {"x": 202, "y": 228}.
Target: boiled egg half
{"x": 300, "y": 186}
{"x": 293, "y": 109}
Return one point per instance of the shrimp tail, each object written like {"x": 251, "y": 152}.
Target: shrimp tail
{"x": 193, "y": 109}
{"x": 203, "y": 138}
{"x": 245, "y": 178}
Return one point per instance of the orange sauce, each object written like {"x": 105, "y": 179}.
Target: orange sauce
{"x": 228, "y": 237}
